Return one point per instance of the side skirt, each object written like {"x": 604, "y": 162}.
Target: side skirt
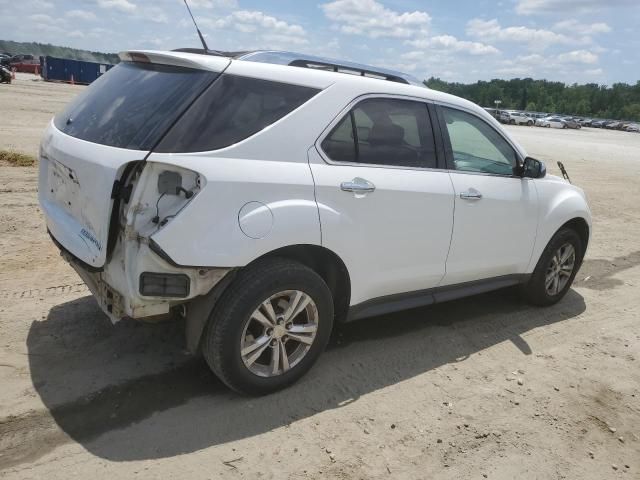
{"x": 421, "y": 298}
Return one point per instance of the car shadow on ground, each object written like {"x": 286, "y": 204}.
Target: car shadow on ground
{"x": 129, "y": 391}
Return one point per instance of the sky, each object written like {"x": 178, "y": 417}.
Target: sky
{"x": 574, "y": 41}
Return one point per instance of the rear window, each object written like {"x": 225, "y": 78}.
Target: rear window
{"x": 232, "y": 109}
{"x": 133, "y": 104}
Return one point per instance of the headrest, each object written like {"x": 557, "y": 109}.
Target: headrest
{"x": 386, "y": 133}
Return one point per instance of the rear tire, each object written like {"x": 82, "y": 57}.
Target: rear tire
{"x": 529, "y": 123}
{"x": 553, "y": 270}
{"x": 242, "y": 325}
{"x": 512, "y": 122}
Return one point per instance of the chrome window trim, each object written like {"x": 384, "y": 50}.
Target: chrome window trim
{"x": 325, "y": 133}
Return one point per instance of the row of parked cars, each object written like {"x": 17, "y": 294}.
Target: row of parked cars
{"x": 548, "y": 120}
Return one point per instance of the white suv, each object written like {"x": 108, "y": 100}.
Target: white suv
{"x": 266, "y": 196}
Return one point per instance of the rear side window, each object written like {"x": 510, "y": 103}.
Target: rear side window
{"x": 232, "y": 109}
{"x": 384, "y": 131}
{"x": 133, "y": 104}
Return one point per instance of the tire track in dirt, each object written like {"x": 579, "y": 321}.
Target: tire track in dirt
{"x": 43, "y": 292}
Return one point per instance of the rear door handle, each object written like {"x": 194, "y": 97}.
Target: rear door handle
{"x": 358, "y": 185}
{"x": 471, "y": 195}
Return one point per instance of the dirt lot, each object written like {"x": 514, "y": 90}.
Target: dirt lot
{"x": 485, "y": 387}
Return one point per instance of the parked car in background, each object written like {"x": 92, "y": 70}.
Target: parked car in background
{"x": 585, "y": 122}
{"x": 571, "y": 123}
{"x": 555, "y": 122}
{"x": 542, "y": 122}
{"x": 613, "y": 125}
{"x": 515, "y": 118}
{"x": 192, "y": 196}
{"x": 632, "y": 127}
{"x": 598, "y": 123}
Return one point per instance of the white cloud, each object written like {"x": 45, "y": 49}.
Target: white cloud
{"x": 370, "y": 18}
{"x": 542, "y": 66}
{"x": 122, "y": 5}
{"x": 81, "y": 14}
{"x": 594, "y": 72}
{"x": 578, "y": 28}
{"x": 265, "y": 30}
{"x": 578, "y": 56}
{"x": 224, "y": 4}
{"x": 449, "y": 43}
{"x": 532, "y": 7}
{"x": 491, "y": 30}
{"x": 41, "y": 18}
{"x": 248, "y": 21}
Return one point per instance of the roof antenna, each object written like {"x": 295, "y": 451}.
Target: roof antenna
{"x": 204, "y": 44}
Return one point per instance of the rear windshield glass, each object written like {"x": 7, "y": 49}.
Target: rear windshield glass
{"x": 232, "y": 109}
{"x": 133, "y": 104}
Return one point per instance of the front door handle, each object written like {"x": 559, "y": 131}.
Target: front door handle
{"x": 358, "y": 185}
{"x": 471, "y": 195}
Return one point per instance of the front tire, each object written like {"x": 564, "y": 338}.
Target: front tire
{"x": 269, "y": 327}
{"x": 556, "y": 269}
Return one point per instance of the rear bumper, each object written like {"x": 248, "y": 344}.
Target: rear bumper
{"x": 116, "y": 286}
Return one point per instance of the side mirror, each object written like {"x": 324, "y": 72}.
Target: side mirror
{"x": 533, "y": 168}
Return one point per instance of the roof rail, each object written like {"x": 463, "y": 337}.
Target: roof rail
{"x": 310, "y": 61}
{"x": 327, "y": 64}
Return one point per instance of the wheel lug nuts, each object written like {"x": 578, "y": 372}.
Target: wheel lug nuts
{"x": 270, "y": 331}
{"x": 289, "y": 325}
{"x": 274, "y": 343}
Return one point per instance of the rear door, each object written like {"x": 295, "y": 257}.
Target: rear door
{"x": 115, "y": 121}
{"x": 496, "y": 212}
{"x": 385, "y": 207}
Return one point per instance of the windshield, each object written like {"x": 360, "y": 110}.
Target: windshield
{"x": 133, "y": 104}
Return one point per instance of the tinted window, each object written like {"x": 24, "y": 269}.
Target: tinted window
{"x": 384, "y": 131}
{"x": 133, "y": 104}
{"x": 476, "y": 146}
{"x": 339, "y": 145}
{"x": 232, "y": 109}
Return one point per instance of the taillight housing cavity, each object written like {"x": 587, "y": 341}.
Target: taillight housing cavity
{"x": 171, "y": 285}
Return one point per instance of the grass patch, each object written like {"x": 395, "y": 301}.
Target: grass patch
{"x": 17, "y": 159}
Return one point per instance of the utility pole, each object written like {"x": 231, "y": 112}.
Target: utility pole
{"x": 497, "y": 102}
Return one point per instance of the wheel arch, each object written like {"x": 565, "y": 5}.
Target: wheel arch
{"x": 325, "y": 263}
{"x": 562, "y": 205}
{"x": 581, "y": 227}
{"x": 321, "y": 260}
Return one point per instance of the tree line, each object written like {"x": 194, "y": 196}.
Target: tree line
{"x": 620, "y": 101}
{"x": 44, "y": 49}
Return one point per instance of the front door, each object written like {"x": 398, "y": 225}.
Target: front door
{"x": 385, "y": 208}
{"x": 496, "y": 212}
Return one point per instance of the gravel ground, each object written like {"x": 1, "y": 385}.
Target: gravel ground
{"x": 485, "y": 387}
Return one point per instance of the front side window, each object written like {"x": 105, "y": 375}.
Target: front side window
{"x": 231, "y": 109}
{"x": 476, "y": 146}
{"x": 384, "y": 131}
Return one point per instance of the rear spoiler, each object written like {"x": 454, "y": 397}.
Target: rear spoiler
{"x": 178, "y": 59}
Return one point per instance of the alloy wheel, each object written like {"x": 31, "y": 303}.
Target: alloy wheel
{"x": 560, "y": 269}
{"x": 279, "y": 333}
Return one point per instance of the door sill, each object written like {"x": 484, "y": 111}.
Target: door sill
{"x": 421, "y": 298}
